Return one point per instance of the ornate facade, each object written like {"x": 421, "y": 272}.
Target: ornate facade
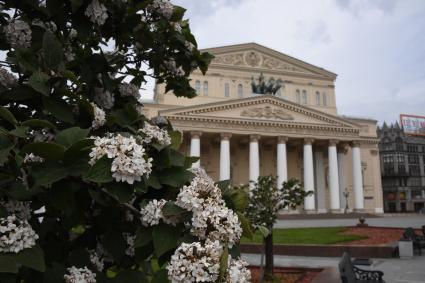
{"x": 297, "y": 133}
{"x": 403, "y": 169}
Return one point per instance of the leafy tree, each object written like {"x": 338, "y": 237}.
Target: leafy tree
{"x": 265, "y": 202}
{"x": 90, "y": 189}
{"x": 265, "y": 87}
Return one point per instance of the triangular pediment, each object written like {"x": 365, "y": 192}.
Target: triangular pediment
{"x": 260, "y": 58}
{"x": 259, "y": 110}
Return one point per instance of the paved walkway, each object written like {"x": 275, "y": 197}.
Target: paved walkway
{"x": 395, "y": 270}
{"x": 415, "y": 221}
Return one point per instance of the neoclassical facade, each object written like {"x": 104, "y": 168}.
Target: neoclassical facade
{"x": 297, "y": 133}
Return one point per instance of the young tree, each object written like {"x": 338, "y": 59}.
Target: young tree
{"x": 90, "y": 189}
{"x": 267, "y": 198}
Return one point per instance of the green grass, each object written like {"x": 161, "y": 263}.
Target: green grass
{"x": 307, "y": 236}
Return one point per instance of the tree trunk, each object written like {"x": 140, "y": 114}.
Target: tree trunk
{"x": 268, "y": 244}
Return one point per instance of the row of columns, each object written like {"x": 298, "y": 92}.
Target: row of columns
{"x": 336, "y": 159}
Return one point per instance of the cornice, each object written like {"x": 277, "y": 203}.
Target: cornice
{"x": 251, "y": 101}
{"x": 249, "y": 123}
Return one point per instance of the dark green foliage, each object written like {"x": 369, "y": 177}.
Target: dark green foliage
{"x": 51, "y": 101}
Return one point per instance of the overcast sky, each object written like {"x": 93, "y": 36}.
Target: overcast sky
{"x": 377, "y": 47}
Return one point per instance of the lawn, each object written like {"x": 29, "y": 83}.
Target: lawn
{"x": 308, "y": 236}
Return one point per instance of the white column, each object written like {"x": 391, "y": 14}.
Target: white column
{"x": 254, "y": 160}
{"x": 195, "y": 148}
{"x": 282, "y": 163}
{"x": 308, "y": 174}
{"x": 225, "y": 156}
{"x": 341, "y": 156}
{"x": 333, "y": 177}
{"x": 357, "y": 178}
{"x": 319, "y": 174}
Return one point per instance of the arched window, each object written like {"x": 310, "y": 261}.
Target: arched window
{"x": 240, "y": 90}
{"x": 205, "y": 90}
{"x": 198, "y": 87}
{"x": 226, "y": 90}
{"x": 317, "y": 98}
{"x": 298, "y": 96}
{"x": 304, "y": 97}
{"x": 325, "y": 99}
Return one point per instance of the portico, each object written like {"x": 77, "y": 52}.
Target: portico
{"x": 276, "y": 137}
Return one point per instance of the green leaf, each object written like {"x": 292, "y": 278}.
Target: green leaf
{"x": 39, "y": 82}
{"x": 38, "y": 123}
{"x": 114, "y": 243}
{"x": 8, "y": 264}
{"x": 20, "y": 132}
{"x": 175, "y": 176}
{"x": 123, "y": 191}
{"x": 52, "y": 51}
{"x": 160, "y": 277}
{"x": 32, "y": 258}
{"x": 48, "y": 173}
{"x": 153, "y": 182}
{"x": 79, "y": 150}
{"x": 7, "y": 115}
{"x": 170, "y": 209}
{"x": 5, "y": 146}
{"x": 60, "y": 109}
{"x": 164, "y": 238}
{"x": 176, "y": 139}
{"x": 48, "y": 150}
{"x": 143, "y": 237}
{"x": 100, "y": 172}
{"x": 245, "y": 225}
{"x": 130, "y": 276}
{"x": 71, "y": 135}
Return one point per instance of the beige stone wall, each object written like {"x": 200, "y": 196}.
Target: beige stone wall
{"x": 218, "y": 76}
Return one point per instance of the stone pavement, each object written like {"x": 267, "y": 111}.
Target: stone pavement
{"x": 395, "y": 270}
{"x": 399, "y": 221}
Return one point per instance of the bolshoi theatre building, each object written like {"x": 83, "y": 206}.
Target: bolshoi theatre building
{"x": 296, "y": 133}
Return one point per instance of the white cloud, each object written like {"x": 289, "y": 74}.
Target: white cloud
{"x": 375, "y": 47}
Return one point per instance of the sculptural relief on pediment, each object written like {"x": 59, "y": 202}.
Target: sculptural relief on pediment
{"x": 266, "y": 112}
{"x": 258, "y": 60}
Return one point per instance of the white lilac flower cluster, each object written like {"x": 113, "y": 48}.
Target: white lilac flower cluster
{"x": 163, "y": 7}
{"x": 152, "y": 214}
{"x": 96, "y": 12}
{"x": 79, "y": 275}
{"x": 195, "y": 263}
{"x": 189, "y": 45}
{"x": 18, "y": 34}
{"x": 32, "y": 158}
{"x": 127, "y": 89}
{"x": 96, "y": 260}
{"x": 99, "y": 117}
{"x": 216, "y": 222}
{"x": 7, "y": 80}
{"x": 200, "y": 190}
{"x": 129, "y": 162}
{"x": 105, "y": 99}
{"x": 16, "y": 235}
{"x": 51, "y": 26}
{"x": 171, "y": 67}
{"x": 129, "y": 238}
{"x": 237, "y": 271}
{"x": 154, "y": 132}
{"x": 21, "y": 209}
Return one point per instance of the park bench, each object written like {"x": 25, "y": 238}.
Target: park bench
{"x": 352, "y": 274}
{"x": 417, "y": 240}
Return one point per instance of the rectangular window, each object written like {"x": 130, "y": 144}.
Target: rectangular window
{"x": 226, "y": 90}
{"x": 304, "y": 97}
